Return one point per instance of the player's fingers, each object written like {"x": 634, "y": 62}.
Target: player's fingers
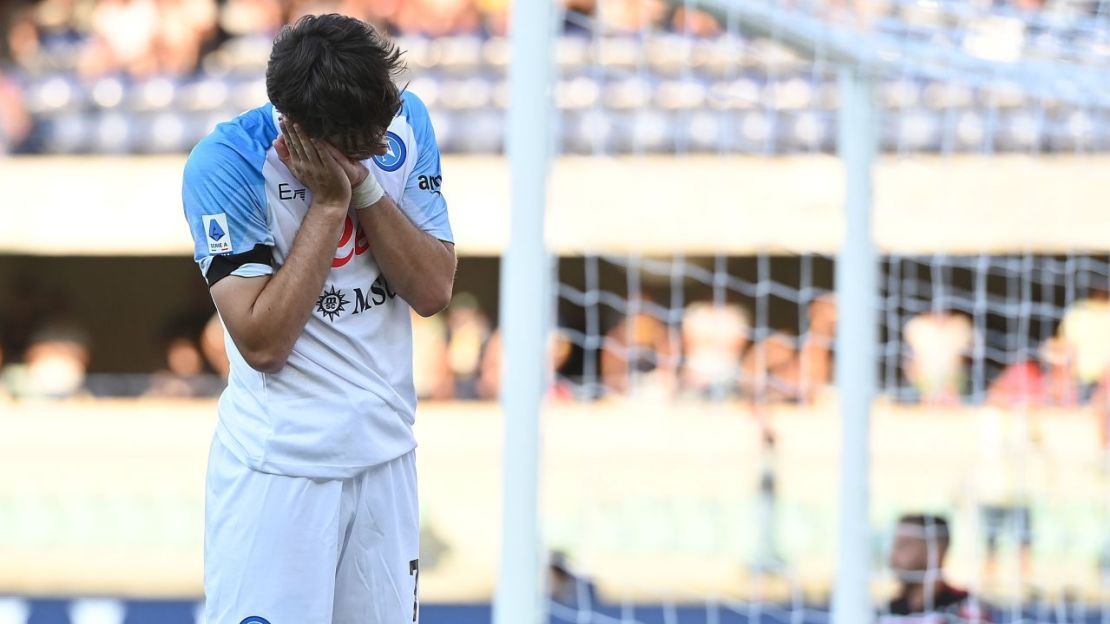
{"x": 348, "y": 166}
{"x": 292, "y": 140}
{"x": 313, "y": 151}
{"x": 341, "y": 158}
{"x": 308, "y": 150}
{"x": 331, "y": 150}
{"x": 307, "y": 146}
{"x": 282, "y": 149}
{"x": 335, "y": 160}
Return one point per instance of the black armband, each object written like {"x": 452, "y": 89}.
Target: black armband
{"x": 222, "y": 266}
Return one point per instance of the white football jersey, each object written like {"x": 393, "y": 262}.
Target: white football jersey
{"x": 344, "y": 400}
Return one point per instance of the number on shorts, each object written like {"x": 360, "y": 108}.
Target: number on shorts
{"x": 414, "y": 570}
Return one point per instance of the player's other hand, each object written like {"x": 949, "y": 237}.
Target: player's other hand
{"x": 355, "y": 170}
{"x": 311, "y": 161}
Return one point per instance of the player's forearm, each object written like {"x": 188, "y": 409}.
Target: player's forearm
{"x": 281, "y": 310}
{"x": 418, "y": 266}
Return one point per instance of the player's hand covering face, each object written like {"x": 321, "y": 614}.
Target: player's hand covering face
{"x": 357, "y": 147}
{"x": 355, "y": 171}
{"x": 314, "y": 163}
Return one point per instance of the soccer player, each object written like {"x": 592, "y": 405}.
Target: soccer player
{"x": 319, "y": 223}
{"x": 917, "y": 560}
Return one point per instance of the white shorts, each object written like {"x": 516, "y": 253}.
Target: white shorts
{"x": 292, "y": 550}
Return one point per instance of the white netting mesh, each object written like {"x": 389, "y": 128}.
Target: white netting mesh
{"x": 716, "y": 366}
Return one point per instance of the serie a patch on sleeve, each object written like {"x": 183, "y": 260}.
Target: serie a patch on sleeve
{"x": 217, "y": 234}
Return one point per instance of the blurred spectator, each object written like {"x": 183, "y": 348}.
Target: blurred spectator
{"x": 437, "y": 18}
{"x": 243, "y": 18}
{"x": 1009, "y": 466}
{"x": 784, "y": 368}
{"x": 183, "y": 375}
{"x": 468, "y": 330}
{"x": 638, "y": 357}
{"x": 999, "y": 521}
{"x": 629, "y": 16}
{"x": 567, "y": 589}
{"x": 15, "y": 122}
{"x": 1047, "y": 380}
{"x": 1100, "y": 402}
{"x": 213, "y": 347}
{"x": 54, "y": 364}
{"x": 4, "y": 393}
{"x": 489, "y": 379}
{"x": 917, "y": 561}
{"x": 495, "y": 14}
{"x": 938, "y": 342}
{"x": 147, "y": 37}
{"x": 691, "y": 21}
{"x": 770, "y": 370}
{"x": 1085, "y": 328}
{"x": 21, "y": 37}
{"x": 713, "y": 339}
{"x": 815, "y": 359}
{"x": 577, "y": 15}
{"x": 559, "y": 351}
{"x": 431, "y": 371}
{"x": 25, "y": 307}
{"x": 121, "y": 38}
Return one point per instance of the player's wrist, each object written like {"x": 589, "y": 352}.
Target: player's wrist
{"x": 330, "y": 207}
{"x": 367, "y": 193}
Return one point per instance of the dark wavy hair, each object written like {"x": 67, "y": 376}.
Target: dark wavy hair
{"x": 334, "y": 75}
{"x": 926, "y": 522}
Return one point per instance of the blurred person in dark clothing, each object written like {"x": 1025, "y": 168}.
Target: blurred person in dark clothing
{"x": 4, "y": 393}
{"x": 917, "y": 560}
{"x": 25, "y": 306}
{"x": 566, "y": 588}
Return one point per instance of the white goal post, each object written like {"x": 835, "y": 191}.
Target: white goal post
{"x": 861, "y": 56}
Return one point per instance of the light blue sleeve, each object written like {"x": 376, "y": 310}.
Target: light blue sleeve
{"x": 223, "y": 193}
{"x": 423, "y": 200}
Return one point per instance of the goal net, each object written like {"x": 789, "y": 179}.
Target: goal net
{"x": 691, "y": 436}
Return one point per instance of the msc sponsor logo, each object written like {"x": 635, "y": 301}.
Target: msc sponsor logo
{"x": 394, "y": 155}
{"x": 331, "y": 303}
{"x": 378, "y": 293}
{"x": 430, "y": 183}
{"x": 334, "y": 302}
{"x": 254, "y": 619}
